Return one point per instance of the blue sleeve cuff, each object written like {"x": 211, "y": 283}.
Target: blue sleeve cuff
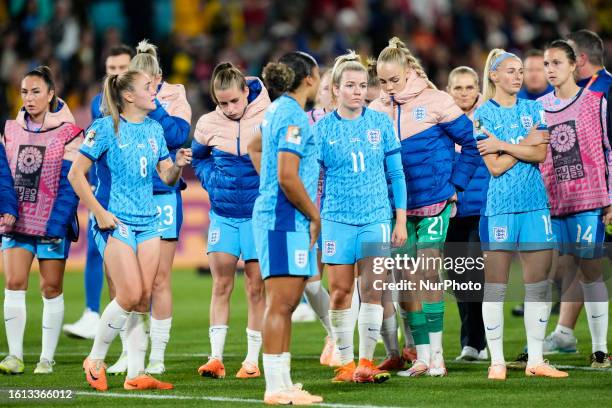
{"x": 89, "y": 156}
{"x": 392, "y": 152}
{"x": 164, "y": 157}
{"x": 284, "y": 149}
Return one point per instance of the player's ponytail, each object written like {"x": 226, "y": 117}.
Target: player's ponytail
{"x": 226, "y": 76}
{"x": 146, "y": 59}
{"x": 488, "y": 86}
{"x": 113, "y": 102}
{"x": 372, "y": 74}
{"x": 44, "y": 72}
{"x": 397, "y": 52}
{"x": 287, "y": 74}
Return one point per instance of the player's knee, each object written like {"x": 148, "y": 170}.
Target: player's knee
{"x": 223, "y": 287}
{"x": 16, "y": 282}
{"x": 340, "y": 296}
{"x": 255, "y": 292}
{"x": 50, "y": 291}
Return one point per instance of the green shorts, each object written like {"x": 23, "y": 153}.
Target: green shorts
{"x": 425, "y": 232}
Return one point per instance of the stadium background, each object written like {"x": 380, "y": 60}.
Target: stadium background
{"x": 73, "y": 37}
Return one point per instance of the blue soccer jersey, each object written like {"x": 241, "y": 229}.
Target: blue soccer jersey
{"x": 520, "y": 188}
{"x": 126, "y": 164}
{"x": 285, "y": 128}
{"x": 352, "y": 153}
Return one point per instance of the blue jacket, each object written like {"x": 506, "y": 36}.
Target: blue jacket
{"x": 473, "y": 199}
{"x": 8, "y": 197}
{"x": 429, "y": 124}
{"x": 525, "y": 94}
{"x": 601, "y": 84}
{"x": 173, "y": 113}
{"x": 220, "y": 158}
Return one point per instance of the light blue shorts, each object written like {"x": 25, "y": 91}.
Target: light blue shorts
{"x": 232, "y": 236}
{"x": 170, "y": 213}
{"x": 581, "y": 234}
{"x": 345, "y": 244}
{"x": 128, "y": 234}
{"x": 526, "y": 231}
{"x": 42, "y": 248}
{"x": 285, "y": 253}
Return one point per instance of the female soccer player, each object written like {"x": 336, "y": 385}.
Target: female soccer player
{"x": 428, "y": 124}
{"x": 463, "y": 86}
{"x": 286, "y": 221}
{"x": 576, "y": 179}
{"x": 357, "y": 148}
{"x": 227, "y": 173}
{"x": 128, "y": 147}
{"x": 516, "y": 216}
{"x": 173, "y": 113}
{"x": 40, "y": 147}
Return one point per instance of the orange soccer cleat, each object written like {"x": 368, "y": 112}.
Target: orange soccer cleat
{"x": 248, "y": 370}
{"x": 95, "y": 373}
{"x": 213, "y": 368}
{"x": 544, "y": 370}
{"x": 366, "y": 372}
{"x": 146, "y": 382}
{"x": 344, "y": 373}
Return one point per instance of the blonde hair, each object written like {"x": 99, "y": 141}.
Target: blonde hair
{"x": 146, "y": 59}
{"x": 226, "y": 75}
{"x": 372, "y": 75}
{"x": 462, "y": 70}
{"x": 347, "y": 62}
{"x": 113, "y": 103}
{"x": 397, "y": 52}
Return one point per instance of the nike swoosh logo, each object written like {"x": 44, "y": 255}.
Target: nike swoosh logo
{"x": 123, "y": 146}
{"x": 371, "y": 329}
{"x": 543, "y": 321}
{"x": 93, "y": 377}
{"x": 48, "y": 328}
{"x": 595, "y": 317}
{"x": 113, "y": 327}
{"x": 343, "y": 348}
{"x": 550, "y": 239}
{"x": 10, "y": 318}
{"x": 493, "y": 328}
{"x": 331, "y": 142}
{"x": 251, "y": 372}
{"x": 498, "y": 127}
{"x": 161, "y": 229}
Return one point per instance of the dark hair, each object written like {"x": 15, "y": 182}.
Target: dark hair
{"x": 589, "y": 43}
{"x": 533, "y": 53}
{"x": 225, "y": 76}
{"x": 120, "y": 50}
{"x": 44, "y": 72}
{"x": 287, "y": 74}
{"x": 563, "y": 46}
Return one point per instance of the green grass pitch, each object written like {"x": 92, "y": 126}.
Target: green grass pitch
{"x": 466, "y": 384}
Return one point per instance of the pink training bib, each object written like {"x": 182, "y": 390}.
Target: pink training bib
{"x": 575, "y": 169}
{"x": 35, "y": 160}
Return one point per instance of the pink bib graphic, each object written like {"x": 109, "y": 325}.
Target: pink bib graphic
{"x": 574, "y": 172}
{"x": 35, "y": 160}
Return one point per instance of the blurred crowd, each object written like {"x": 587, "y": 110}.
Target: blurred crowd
{"x": 73, "y": 37}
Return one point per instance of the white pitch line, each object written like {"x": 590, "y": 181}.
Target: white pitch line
{"x": 204, "y": 398}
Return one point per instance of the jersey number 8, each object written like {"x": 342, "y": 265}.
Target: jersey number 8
{"x": 143, "y": 166}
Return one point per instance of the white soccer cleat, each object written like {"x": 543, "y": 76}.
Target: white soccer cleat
{"x": 11, "y": 365}
{"x": 155, "y": 367}
{"x": 85, "y": 327}
{"x": 483, "y": 355}
{"x": 303, "y": 313}
{"x": 44, "y": 366}
{"x": 468, "y": 354}
{"x": 120, "y": 367}
{"x": 437, "y": 368}
{"x": 558, "y": 343}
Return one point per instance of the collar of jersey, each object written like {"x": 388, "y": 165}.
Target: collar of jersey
{"x": 337, "y": 115}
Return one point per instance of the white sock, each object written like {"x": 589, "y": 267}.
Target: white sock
{"x": 370, "y": 320}
{"x": 536, "y": 317}
{"x": 253, "y": 346}
{"x": 217, "y": 334}
{"x": 388, "y": 332}
{"x": 435, "y": 343}
{"x": 563, "y": 331}
{"x": 273, "y": 372}
{"x": 15, "y": 320}
{"x": 343, "y": 327}
{"x": 160, "y": 335}
{"x": 355, "y": 301}
{"x": 408, "y": 339}
{"x": 113, "y": 320}
{"x": 423, "y": 353}
{"x": 493, "y": 319}
{"x": 53, "y": 315}
{"x": 596, "y": 308}
{"x": 137, "y": 342}
{"x": 287, "y": 383}
{"x": 318, "y": 298}
{"x": 123, "y": 337}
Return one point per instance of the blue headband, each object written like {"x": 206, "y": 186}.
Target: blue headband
{"x": 501, "y": 58}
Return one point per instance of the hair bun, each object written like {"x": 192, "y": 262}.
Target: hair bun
{"x": 145, "y": 47}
